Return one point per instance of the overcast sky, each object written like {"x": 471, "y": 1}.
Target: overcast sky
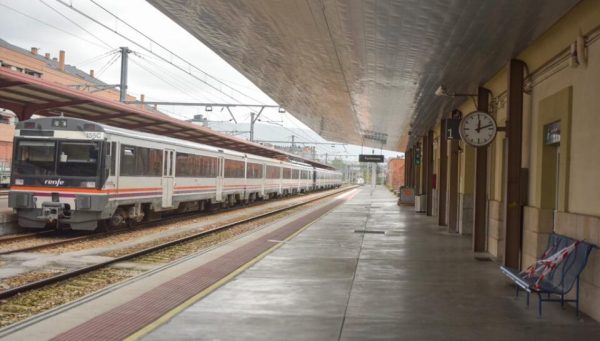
{"x": 51, "y": 26}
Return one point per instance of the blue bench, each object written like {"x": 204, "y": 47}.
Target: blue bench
{"x": 560, "y": 280}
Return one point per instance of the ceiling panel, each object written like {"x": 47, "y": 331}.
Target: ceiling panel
{"x": 344, "y": 67}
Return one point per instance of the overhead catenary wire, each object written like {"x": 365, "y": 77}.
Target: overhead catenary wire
{"x": 107, "y": 65}
{"x": 52, "y": 26}
{"x": 163, "y": 79}
{"x": 174, "y": 77}
{"x": 76, "y": 24}
{"x": 80, "y": 12}
{"x": 173, "y": 53}
{"x": 97, "y": 58}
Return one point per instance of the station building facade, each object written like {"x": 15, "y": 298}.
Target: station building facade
{"x": 542, "y": 172}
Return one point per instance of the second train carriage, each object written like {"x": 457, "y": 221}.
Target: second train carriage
{"x": 76, "y": 173}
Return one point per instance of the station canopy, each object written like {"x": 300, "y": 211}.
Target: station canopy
{"x": 26, "y": 95}
{"x": 365, "y": 71}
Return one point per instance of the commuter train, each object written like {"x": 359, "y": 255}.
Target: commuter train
{"x": 78, "y": 174}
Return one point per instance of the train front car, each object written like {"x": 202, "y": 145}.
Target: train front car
{"x": 58, "y": 173}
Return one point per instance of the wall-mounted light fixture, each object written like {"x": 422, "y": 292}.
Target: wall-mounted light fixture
{"x": 442, "y": 91}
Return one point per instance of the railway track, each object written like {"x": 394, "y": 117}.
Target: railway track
{"x": 16, "y": 237}
{"x": 128, "y": 257}
{"x": 44, "y": 245}
{"x": 56, "y": 243}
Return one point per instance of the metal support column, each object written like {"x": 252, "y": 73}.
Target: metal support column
{"x": 424, "y": 177}
{"x": 480, "y": 192}
{"x": 429, "y": 163}
{"x": 124, "y": 62}
{"x": 514, "y": 133}
{"x": 443, "y": 176}
{"x": 453, "y": 188}
{"x": 406, "y": 165}
{"x": 418, "y": 168}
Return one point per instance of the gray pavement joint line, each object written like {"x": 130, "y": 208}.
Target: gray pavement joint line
{"x": 95, "y": 295}
{"x": 362, "y": 239}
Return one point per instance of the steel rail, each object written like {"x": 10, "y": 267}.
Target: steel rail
{"x": 67, "y": 275}
{"x": 11, "y": 238}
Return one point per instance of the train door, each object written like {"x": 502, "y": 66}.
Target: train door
{"x": 168, "y": 178}
{"x": 280, "y": 191}
{"x": 220, "y": 180}
{"x": 115, "y": 150}
{"x": 263, "y": 180}
{"x": 113, "y": 162}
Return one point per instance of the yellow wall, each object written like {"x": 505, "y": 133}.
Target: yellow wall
{"x": 579, "y": 215}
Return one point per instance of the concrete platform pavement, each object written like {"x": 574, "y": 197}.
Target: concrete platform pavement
{"x": 405, "y": 279}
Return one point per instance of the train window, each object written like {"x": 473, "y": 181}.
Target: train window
{"x": 295, "y": 173}
{"x": 127, "y": 161}
{"x": 35, "y": 158}
{"x": 254, "y": 171}
{"x": 78, "y": 159}
{"x": 139, "y": 161}
{"x": 113, "y": 158}
{"x": 287, "y": 173}
{"x": 234, "y": 169}
{"x": 154, "y": 165}
{"x": 273, "y": 172}
{"x": 195, "y": 166}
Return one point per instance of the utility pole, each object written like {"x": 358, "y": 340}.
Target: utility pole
{"x": 293, "y": 142}
{"x": 253, "y": 118}
{"x": 124, "y": 61}
{"x": 325, "y": 158}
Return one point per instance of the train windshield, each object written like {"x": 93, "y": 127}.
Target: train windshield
{"x": 35, "y": 158}
{"x": 78, "y": 159}
{"x": 62, "y": 158}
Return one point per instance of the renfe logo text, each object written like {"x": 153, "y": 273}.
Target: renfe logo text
{"x": 57, "y": 183}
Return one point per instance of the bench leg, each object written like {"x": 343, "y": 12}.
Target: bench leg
{"x": 517, "y": 292}
{"x": 562, "y": 301}
{"x": 527, "y": 300}
{"x": 539, "y": 305}
{"x": 577, "y": 298}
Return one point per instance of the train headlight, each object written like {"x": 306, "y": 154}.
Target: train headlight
{"x": 19, "y": 182}
{"x": 88, "y": 184}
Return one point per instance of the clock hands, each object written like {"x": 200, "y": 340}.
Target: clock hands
{"x": 487, "y": 126}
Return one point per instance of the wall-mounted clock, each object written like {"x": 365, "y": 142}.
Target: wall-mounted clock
{"x": 478, "y": 129}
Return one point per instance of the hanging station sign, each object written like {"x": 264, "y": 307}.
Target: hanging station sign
{"x": 452, "y": 129}
{"x": 370, "y": 158}
{"x": 552, "y": 133}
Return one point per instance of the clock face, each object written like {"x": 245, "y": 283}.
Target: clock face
{"x": 478, "y": 129}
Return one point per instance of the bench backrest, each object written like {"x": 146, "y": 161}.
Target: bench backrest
{"x": 567, "y": 271}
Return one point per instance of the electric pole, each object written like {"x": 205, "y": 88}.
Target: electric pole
{"x": 253, "y": 118}
{"x": 124, "y": 61}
